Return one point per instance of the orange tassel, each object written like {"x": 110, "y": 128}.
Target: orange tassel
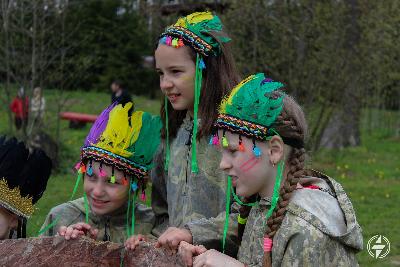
{"x": 83, "y": 168}
{"x": 241, "y": 147}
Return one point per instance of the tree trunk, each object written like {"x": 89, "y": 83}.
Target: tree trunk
{"x": 343, "y": 129}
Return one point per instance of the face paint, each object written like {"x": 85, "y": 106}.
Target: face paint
{"x": 249, "y": 172}
{"x": 249, "y": 164}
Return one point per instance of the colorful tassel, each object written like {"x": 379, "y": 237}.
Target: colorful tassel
{"x": 202, "y": 65}
{"x": 180, "y": 43}
{"x": 168, "y": 41}
{"x": 78, "y": 165}
{"x": 241, "y": 146}
{"x": 211, "y": 140}
{"x": 163, "y": 40}
{"x": 101, "y": 171}
{"x": 174, "y": 42}
{"x": 83, "y": 168}
{"x": 143, "y": 196}
{"x": 90, "y": 169}
{"x": 125, "y": 181}
{"x": 216, "y": 140}
{"x": 224, "y": 141}
{"x": 256, "y": 150}
{"x": 134, "y": 186}
{"x": 112, "y": 178}
{"x": 197, "y": 92}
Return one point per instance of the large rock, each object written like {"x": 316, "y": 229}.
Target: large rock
{"x": 55, "y": 251}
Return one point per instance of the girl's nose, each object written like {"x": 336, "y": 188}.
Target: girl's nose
{"x": 225, "y": 163}
{"x": 165, "y": 83}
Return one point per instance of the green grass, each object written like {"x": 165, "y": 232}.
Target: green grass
{"x": 371, "y": 177}
{"x": 370, "y": 174}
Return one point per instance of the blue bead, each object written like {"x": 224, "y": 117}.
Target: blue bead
{"x": 202, "y": 65}
{"x": 257, "y": 152}
{"x": 89, "y": 171}
{"x": 134, "y": 186}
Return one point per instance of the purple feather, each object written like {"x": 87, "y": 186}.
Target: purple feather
{"x": 99, "y": 126}
{"x": 266, "y": 80}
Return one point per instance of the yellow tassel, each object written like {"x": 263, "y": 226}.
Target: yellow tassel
{"x": 224, "y": 142}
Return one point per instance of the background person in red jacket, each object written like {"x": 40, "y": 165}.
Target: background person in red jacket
{"x": 20, "y": 107}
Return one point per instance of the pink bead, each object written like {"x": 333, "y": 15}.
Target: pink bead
{"x": 267, "y": 244}
{"x": 168, "y": 41}
{"x": 102, "y": 173}
{"x": 78, "y": 165}
{"x": 143, "y": 197}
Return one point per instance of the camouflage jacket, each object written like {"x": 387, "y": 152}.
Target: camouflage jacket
{"x": 111, "y": 228}
{"x": 181, "y": 198}
{"x": 319, "y": 229}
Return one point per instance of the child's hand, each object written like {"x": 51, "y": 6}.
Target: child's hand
{"x": 76, "y": 230}
{"x": 188, "y": 251}
{"x": 134, "y": 241}
{"x": 171, "y": 238}
{"x": 213, "y": 258}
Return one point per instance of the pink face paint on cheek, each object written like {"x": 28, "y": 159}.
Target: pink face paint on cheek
{"x": 249, "y": 164}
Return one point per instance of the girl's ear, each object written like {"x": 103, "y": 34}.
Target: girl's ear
{"x": 276, "y": 147}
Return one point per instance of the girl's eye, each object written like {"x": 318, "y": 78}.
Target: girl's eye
{"x": 176, "y": 71}
{"x": 159, "y": 73}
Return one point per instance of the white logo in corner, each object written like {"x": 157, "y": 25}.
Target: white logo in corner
{"x": 378, "y": 246}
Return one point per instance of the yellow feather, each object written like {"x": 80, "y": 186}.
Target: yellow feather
{"x": 117, "y": 133}
{"x": 194, "y": 18}
{"x": 136, "y": 122}
{"x": 228, "y": 100}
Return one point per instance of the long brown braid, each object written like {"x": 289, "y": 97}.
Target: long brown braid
{"x": 291, "y": 124}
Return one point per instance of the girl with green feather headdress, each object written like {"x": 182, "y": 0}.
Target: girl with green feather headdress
{"x": 115, "y": 162}
{"x": 301, "y": 217}
{"x": 196, "y": 69}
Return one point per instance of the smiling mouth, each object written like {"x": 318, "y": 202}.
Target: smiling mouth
{"x": 173, "y": 97}
{"x": 98, "y": 202}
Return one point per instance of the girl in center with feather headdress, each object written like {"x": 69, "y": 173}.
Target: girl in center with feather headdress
{"x": 115, "y": 160}
{"x": 196, "y": 69}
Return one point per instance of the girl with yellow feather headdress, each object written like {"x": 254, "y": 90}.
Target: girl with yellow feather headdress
{"x": 115, "y": 161}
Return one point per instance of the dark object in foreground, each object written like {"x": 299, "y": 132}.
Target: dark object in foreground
{"x": 55, "y": 251}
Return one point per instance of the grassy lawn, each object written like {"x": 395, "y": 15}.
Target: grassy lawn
{"x": 370, "y": 174}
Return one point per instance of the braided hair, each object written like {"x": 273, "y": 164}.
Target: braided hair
{"x": 290, "y": 124}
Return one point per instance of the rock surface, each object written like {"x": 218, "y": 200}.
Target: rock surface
{"x": 55, "y": 251}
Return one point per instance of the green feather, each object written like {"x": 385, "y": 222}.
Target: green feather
{"x": 148, "y": 141}
{"x": 256, "y": 102}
